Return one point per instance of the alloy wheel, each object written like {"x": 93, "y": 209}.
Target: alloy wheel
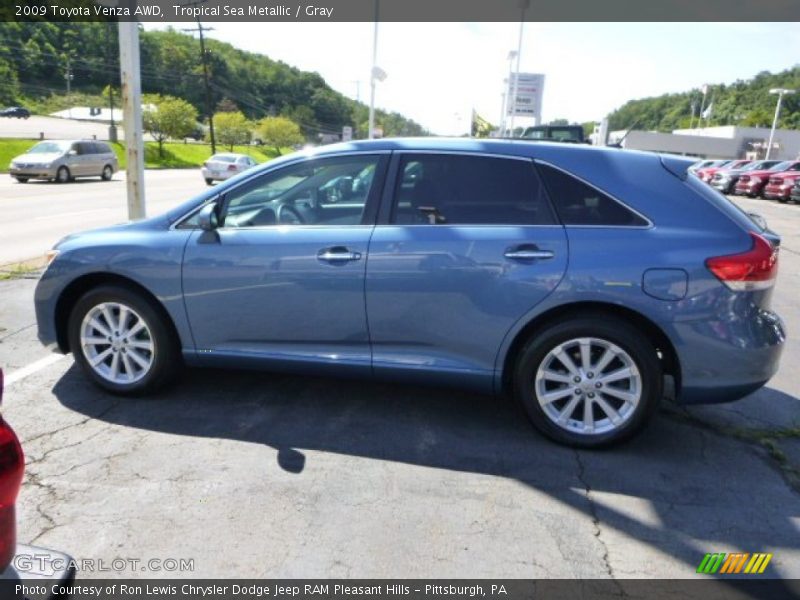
{"x": 117, "y": 343}
{"x": 588, "y": 386}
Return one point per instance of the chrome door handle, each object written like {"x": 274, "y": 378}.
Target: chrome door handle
{"x": 338, "y": 255}
{"x": 528, "y": 254}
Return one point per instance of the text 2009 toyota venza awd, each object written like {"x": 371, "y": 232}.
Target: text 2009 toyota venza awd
{"x": 578, "y": 279}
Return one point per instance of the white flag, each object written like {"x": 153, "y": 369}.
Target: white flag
{"x": 704, "y": 89}
{"x": 707, "y": 112}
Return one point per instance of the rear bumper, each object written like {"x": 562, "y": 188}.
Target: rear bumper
{"x": 218, "y": 175}
{"x": 725, "y": 360}
{"x": 777, "y": 192}
{"x": 749, "y": 189}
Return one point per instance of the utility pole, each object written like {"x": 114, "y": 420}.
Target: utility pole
{"x": 209, "y": 109}
{"x": 130, "y": 79}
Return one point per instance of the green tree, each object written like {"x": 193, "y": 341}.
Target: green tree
{"x": 279, "y": 132}
{"x": 231, "y": 128}
{"x": 9, "y": 85}
{"x": 169, "y": 118}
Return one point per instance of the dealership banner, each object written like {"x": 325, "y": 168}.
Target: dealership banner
{"x": 396, "y": 10}
{"x": 527, "y": 90}
{"x": 408, "y": 589}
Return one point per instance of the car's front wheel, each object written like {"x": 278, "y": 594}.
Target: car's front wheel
{"x": 62, "y": 175}
{"x": 122, "y": 342}
{"x": 589, "y": 381}
{"x": 22, "y": 179}
{"x": 107, "y": 174}
{"x": 209, "y": 181}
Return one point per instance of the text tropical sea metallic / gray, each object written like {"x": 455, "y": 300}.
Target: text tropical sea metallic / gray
{"x": 252, "y": 10}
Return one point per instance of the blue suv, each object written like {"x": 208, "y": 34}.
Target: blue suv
{"x": 577, "y": 279}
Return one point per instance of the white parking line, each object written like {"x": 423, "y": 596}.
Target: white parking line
{"x": 32, "y": 368}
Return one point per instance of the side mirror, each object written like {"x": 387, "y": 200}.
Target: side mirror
{"x": 207, "y": 217}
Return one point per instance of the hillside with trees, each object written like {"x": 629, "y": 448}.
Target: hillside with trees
{"x": 35, "y": 57}
{"x": 744, "y": 103}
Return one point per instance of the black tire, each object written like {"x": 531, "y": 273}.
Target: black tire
{"x": 782, "y": 200}
{"x": 209, "y": 181}
{"x": 107, "y": 173}
{"x": 603, "y": 327}
{"x": 166, "y": 357}
{"x": 22, "y": 179}
{"x": 63, "y": 175}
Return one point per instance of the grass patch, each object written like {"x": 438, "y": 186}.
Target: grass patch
{"x": 176, "y": 155}
{"x": 17, "y": 271}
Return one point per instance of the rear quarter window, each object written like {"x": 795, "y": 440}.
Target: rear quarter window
{"x": 578, "y": 203}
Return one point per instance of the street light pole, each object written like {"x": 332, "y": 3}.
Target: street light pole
{"x": 509, "y": 102}
{"x": 371, "y": 133}
{"x": 781, "y": 92}
{"x": 523, "y": 5}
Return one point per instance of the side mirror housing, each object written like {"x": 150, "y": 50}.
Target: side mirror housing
{"x": 207, "y": 217}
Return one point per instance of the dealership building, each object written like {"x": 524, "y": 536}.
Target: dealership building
{"x": 728, "y": 141}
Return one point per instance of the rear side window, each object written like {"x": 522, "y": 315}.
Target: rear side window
{"x": 451, "y": 189}
{"x": 580, "y": 204}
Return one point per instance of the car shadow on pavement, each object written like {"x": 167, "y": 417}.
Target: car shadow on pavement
{"x": 702, "y": 490}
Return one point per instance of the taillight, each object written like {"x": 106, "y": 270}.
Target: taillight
{"x": 755, "y": 269}
{"x": 12, "y": 464}
{"x": 231, "y": 167}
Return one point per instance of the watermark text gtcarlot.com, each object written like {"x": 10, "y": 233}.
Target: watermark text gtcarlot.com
{"x": 46, "y": 564}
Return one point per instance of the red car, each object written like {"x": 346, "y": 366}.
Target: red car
{"x": 707, "y": 173}
{"x": 779, "y": 186}
{"x": 12, "y": 464}
{"x": 753, "y": 183}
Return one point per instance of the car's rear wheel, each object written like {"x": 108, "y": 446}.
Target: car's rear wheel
{"x": 122, "y": 342}
{"x": 22, "y": 179}
{"x": 107, "y": 174}
{"x": 209, "y": 181}
{"x": 589, "y": 381}
{"x": 62, "y": 175}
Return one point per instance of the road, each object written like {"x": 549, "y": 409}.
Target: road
{"x": 55, "y": 129}
{"x": 311, "y": 477}
{"x": 37, "y": 214}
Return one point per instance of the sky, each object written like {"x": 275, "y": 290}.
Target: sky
{"x": 439, "y": 72}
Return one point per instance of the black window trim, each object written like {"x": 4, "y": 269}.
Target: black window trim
{"x": 626, "y": 206}
{"x": 386, "y": 212}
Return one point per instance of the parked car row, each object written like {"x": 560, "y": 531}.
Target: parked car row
{"x": 773, "y": 179}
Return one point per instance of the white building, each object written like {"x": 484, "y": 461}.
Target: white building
{"x": 727, "y": 141}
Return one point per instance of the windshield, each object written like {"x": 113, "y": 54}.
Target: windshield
{"x": 47, "y": 148}
{"x": 782, "y": 166}
{"x": 227, "y": 158}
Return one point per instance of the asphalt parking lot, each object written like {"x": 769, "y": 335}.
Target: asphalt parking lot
{"x": 266, "y": 475}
